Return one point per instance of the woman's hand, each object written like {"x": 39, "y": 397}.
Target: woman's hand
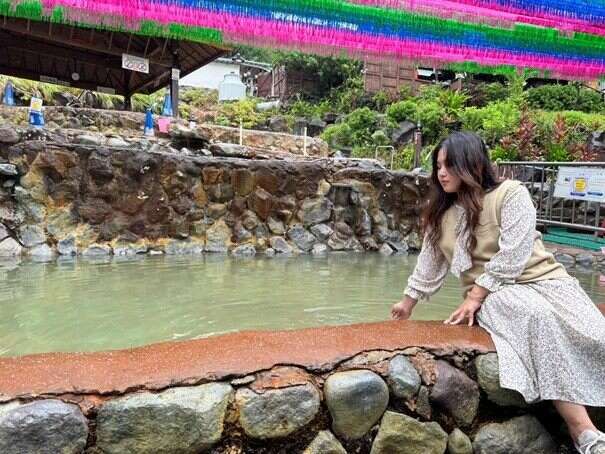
{"x": 466, "y": 311}
{"x": 403, "y": 309}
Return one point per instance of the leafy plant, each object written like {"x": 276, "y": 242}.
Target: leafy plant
{"x": 522, "y": 142}
{"x": 402, "y": 110}
{"x": 231, "y": 113}
{"x": 363, "y": 122}
{"x": 405, "y": 92}
{"x": 430, "y": 93}
{"x": 453, "y": 102}
{"x": 557, "y": 153}
{"x": 382, "y": 100}
{"x": 492, "y": 122}
{"x": 404, "y": 158}
{"x": 349, "y": 96}
{"x": 483, "y": 93}
{"x": 330, "y": 72}
{"x": 516, "y": 88}
{"x": 431, "y": 116}
{"x": 380, "y": 138}
{"x": 338, "y": 135}
{"x": 199, "y": 98}
{"x": 565, "y": 97}
{"x": 500, "y": 153}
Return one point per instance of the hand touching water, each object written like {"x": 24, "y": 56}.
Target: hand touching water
{"x": 403, "y": 309}
{"x": 467, "y": 310}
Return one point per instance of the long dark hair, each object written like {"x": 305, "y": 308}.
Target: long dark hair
{"x": 468, "y": 158}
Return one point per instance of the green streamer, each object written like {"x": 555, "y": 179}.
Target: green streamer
{"x": 33, "y": 10}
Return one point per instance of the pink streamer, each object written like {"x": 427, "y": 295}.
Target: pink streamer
{"x": 268, "y": 33}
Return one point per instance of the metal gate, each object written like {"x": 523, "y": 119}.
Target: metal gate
{"x": 540, "y": 178}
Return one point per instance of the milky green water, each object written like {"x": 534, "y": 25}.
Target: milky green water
{"x": 90, "y": 306}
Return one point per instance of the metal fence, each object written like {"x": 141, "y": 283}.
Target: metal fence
{"x": 540, "y": 179}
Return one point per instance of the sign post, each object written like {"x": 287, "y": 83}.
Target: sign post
{"x": 175, "y": 75}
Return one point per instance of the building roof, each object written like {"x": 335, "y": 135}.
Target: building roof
{"x": 91, "y": 58}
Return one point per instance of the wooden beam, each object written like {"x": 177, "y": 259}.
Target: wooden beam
{"x": 76, "y": 43}
{"x": 155, "y": 83}
{"x": 50, "y": 51}
{"x": 32, "y": 75}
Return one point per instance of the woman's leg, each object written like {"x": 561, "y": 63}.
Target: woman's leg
{"x": 575, "y": 416}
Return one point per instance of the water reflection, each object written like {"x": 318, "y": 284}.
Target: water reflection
{"x": 87, "y": 305}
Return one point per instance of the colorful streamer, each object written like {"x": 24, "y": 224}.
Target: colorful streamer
{"x": 565, "y": 38}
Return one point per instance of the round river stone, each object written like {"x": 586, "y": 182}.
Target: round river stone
{"x": 356, "y": 400}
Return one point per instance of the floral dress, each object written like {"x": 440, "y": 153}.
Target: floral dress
{"x": 549, "y": 335}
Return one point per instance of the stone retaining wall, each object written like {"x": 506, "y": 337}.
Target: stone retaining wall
{"x": 67, "y": 194}
{"x": 129, "y": 123}
{"x": 441, "y": 396}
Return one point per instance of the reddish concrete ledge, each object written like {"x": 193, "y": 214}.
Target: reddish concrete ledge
{"x": 158, "y": 366}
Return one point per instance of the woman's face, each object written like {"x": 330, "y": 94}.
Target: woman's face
{"x": 448, "y": 180}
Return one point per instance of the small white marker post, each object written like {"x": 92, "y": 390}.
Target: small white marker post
{"x": 241, "y": 132}
{"x": 305, "y": 141}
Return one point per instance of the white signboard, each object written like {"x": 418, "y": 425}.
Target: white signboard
{"x": 54, "y": 80}
{"x": 176, "y": 74}
{"x": 49, "y": 80}
{"x": 134, "y": 63}
{"x": 581, "y": 183}
{"x": 106, "y": 90}
{"x": 35, "y": 104}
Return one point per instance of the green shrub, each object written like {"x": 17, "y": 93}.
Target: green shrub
{"x": 404, "y": 158}
{"x": 405, "y": 92}
{"x": 578, "y": 125}
{"x": 363, "y": 122}
{"x": 382, "y": 100}
{"x": 338, "y": 135}
{"x": 453, "y": 102}
{"x": 516, "y": 88}
{"x": 360, "y": 130}
{"x": 431, "y": 116}
{"x": 430, "y": 93}
{"x": 558, "y": 153}
{"x": 231, "y": 113}
{"x": 141, "y": 102}
{"x": 199, "y": 98}
{"x": 349, "y": 96}
{"x": 495, "y": 92}
{"x": 402, "y": 110}
{"x": 363, "y": 151}
{"x": 302, "y": 108}
{"x": 492, "y": 122}
{"x": 380, "y": 138}
{"x": 565, "y": 97}
{"x": 499, "y": 153}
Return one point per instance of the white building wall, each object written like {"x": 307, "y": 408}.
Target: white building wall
{"x": 209, "y": 76}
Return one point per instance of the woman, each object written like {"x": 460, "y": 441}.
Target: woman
{"x": 549, "y": 336}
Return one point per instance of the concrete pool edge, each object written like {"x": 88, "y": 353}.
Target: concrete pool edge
{"x": 365, "y": 387}
{"x": 158, "y": 366}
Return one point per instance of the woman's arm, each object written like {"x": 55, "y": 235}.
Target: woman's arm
{"x": 517, "y": 236}
{"x": 428, "y": 277}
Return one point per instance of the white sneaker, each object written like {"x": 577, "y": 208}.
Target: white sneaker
{"x": 591, "y": 442}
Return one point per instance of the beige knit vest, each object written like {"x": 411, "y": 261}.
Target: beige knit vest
{"x": 541, "y": 265}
